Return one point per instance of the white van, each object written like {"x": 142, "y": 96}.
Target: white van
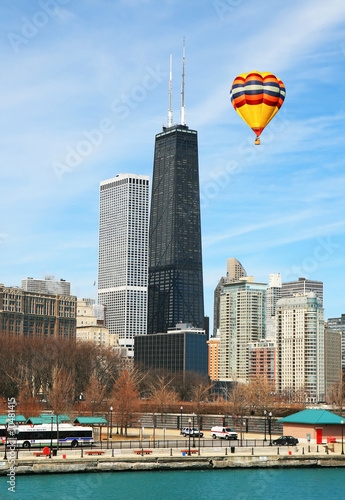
{"x": 223, "y": 433}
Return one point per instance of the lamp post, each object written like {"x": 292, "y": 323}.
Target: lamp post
{"x": 5, "y": 456}
{"x": 193, "y": 415}
{"x": 342, "y": 437}
{"x": 181, "y": 408}
{"x": 51, "y": 434}
{"x": 265, "y": 424}
{"x": 190, "y": 421}
{"x": 111, "y": 422}
{"x": 270, "y": 426}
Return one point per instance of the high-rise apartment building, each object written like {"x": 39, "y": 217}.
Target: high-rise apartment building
{"x": 302, "y": 286}
{"x": 234, "y": 270}
{"x": 216, "y": 304}
{"x": 175, "y": 288}
{"x": 300, "y": 347}
{"x": 34, "y": 314}
{"x": 213, "y": 356}
{"x": 333, "y": 371}
{"x": 49, "y": 285}
{"x": 123, "y": 255}
{"x": 242, "y": 321}
{"x": 274, "y": 293}
{"x": 338, "y": 324}
{"x": 262, "y": 360}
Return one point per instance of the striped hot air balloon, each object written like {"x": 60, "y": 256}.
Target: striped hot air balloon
{"x": 257, "y": 97}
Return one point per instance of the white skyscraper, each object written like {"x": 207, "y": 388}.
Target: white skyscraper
{"x": 242, "y": 321}
{"x": 301, "y": 346}
{"x": 123, "y": 255}
{"x": 274, "y": 293}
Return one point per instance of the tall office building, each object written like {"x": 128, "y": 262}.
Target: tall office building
{"x": 302, "y": 286}
{"x": 274, "y": 293}
{"x": 234, "y": 270}
{"x": 216, "y": 305}
{"x": 49, "y": 285}
{"x": 175, "y": 287}
{"x": 333, "y": 360}
{"x": 338, "y": 324}
{"x": 242, "y": 321}
{"x": 301, "y": 346}
{"x": 123, "y": 259}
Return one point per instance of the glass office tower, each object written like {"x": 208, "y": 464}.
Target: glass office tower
{"x": 175, "y": 286}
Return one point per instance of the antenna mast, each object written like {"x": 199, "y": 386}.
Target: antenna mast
{"x": 183, "y": 108}
{"x": 170, "y": 86}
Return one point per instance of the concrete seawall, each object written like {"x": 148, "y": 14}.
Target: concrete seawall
{"x": 105, "y": 464}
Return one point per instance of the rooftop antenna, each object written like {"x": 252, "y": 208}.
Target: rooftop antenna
{"x": 170, "y": 86}
{"x": 183, "y": 108}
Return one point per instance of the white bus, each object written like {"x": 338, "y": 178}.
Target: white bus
{"x": 27, "y": 436}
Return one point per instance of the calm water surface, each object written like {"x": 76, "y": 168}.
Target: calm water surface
{"x": 241, "y": 484}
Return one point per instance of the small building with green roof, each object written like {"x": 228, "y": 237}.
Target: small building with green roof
{"x": 322, "y": 426}
{"x": 18, "y": 419}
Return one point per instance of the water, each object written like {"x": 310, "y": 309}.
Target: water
{"x": 237, "y": 484}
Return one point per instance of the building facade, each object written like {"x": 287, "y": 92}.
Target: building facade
{"x": 242, "y": 321}
{"x": 92, "y": 329}
{"x": 302, "y": 286}
{"x": 49, "y": 285}
{"x": 175, "y": 287}
{"x": 234, "y": 270}
{"x": 300, "y": 347}
{"x": 262, "y": 360}
{"x": 216, "y": 304}
{"x": 274, "y": 293}
{"x": 333, "y": 361}
{"x": 177, "y": 351}
{"x": 338, "y": 324}
{"x": 123, "y": 256}
{"x": 29, "y": 314}
{"x": 213, "y": 356}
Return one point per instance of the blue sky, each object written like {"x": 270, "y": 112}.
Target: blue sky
{"x": 92, "y": 76}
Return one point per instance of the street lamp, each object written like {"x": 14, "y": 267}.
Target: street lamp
{"x": 7, "y": 420}
{"x": 111, "y": 422}
{"x": 51, "y": 434}
{"x": 265, "y": 424}
{"x": 193, "y": 415}
{"x": 270, "y": 426}
{"x": 190, "y": 421}
{"x": 181, "y": 408}
{"x": 342, "y": 437}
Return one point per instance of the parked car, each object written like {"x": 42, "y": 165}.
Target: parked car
{"x": 192, "y": 431}
{"x": 223, "y": 433}
{"x": 285, "y": 441}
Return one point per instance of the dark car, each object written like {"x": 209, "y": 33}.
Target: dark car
{"x": 285, "y": 441}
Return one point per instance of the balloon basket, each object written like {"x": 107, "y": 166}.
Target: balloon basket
{"x": 257, "y": 141}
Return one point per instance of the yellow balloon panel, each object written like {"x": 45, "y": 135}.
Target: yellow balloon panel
{"x": 257, "y": 97}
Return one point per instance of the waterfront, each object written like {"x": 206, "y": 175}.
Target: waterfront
{"x": 239, "y": 484}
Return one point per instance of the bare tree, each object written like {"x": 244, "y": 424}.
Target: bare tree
{"x": 94, "y": 394}
{"x": 124, "y": 399}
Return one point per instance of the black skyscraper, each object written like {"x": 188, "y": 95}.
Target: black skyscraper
{"x": 175, "y": 286}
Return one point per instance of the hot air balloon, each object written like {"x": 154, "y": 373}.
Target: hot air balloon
{"x": 257, "y": 97}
